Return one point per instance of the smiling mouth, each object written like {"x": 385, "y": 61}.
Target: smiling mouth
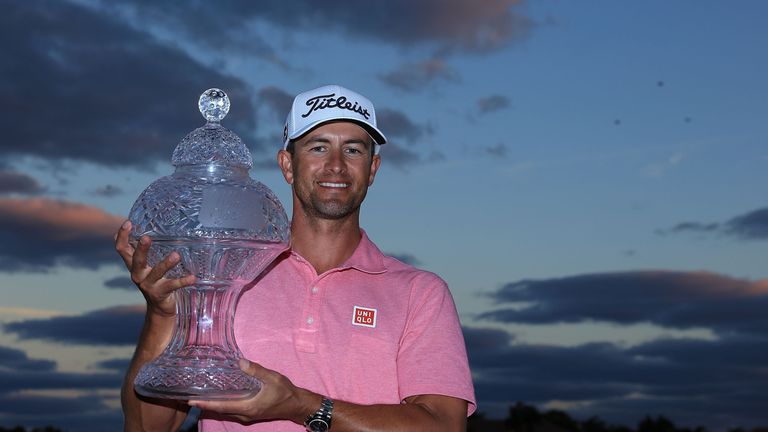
{"x": 334, "y": 185}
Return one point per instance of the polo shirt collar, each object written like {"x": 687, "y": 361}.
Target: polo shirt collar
{"x": 367, "y": 257}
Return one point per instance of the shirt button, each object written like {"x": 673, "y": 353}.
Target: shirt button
{"x": 315, "y": 290}
{"x": 310, "y": 320}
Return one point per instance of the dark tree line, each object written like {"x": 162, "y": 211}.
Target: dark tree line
{"x": 524, "y": 418}
{"x": 38, "y": 429}
{"x": 527, "y": 418}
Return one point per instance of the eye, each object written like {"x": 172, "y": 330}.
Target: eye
{"x": 353, "y": 151}
{"x": 317, "y": 149}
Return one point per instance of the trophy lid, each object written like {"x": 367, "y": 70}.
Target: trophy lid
{"x": 210, "y": 195}
{"x": 212, "y": 143}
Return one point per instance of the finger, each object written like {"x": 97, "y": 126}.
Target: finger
{"x": 266, "y": 377}
{"x": 122, "y": 245}
{"x": 140, "y": 254}
{"x": 230, "y": 408}
{"x": 172, "y": 285}
{"x": 253, "y": 369}
{"x": 159, "y": 270}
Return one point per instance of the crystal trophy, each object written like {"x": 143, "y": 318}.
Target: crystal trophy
{"x": 227, "y": 228}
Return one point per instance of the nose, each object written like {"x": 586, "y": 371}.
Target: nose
{"x": 335, "y": 161}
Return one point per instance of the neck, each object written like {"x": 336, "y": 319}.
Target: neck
{"x": 325, "y": 243}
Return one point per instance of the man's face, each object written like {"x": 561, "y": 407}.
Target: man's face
{"x": 331, "y": 169}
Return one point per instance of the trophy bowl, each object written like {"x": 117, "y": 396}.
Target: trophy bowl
{"x": 227, "y": 228}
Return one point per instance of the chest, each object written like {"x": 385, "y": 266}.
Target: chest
{"x": 307, "y": 313}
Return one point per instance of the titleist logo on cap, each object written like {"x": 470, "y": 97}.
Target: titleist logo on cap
{"x": 330, "y": 101}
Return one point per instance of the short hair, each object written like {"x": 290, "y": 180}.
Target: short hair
{"x": 291, "y": 146}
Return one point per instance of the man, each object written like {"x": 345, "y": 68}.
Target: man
{"x": 341, "y": 336}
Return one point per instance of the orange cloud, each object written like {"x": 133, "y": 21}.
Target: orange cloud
{"x": 68, "y": 218}
{"x": 40, "y": 233}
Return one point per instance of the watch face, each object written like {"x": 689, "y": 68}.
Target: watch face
{"x": 317, "y": 425}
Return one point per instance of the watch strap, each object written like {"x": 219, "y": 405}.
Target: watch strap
{"x": 320, "y": 420}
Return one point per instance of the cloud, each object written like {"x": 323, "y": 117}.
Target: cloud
{"x": 14, "y": 359}
{"x": 18, "y": 373}
{"x": 117, "y": 364}
{"x": 498, "y": 151}
{"x": 406, "y": 258}
{"x": 32, "y": 405}
{"x": 623, "y": 384}
{"x": 108, "y": 191}
{"x": 481, "y": 340}
{"x": 127, "y": 90}
{"x": 277, "y": 100}
{"x": 33, "y": 393}
{"x": 89, "y": 87}
{"x": 397, "y": 124}
{"x": 493, "y": 103}
{"x": 749, "y": 226}
{"x": 114, "y": 326}
{"x": 753, "y": 225}
{"x": 16, "y": 182}
{"x": 681, "y": 300}
{"x": 22, "y": 312}
{"x": 448, "y": 25}
{"x": 120, "y": 282}
{"x": 400, "y": 157}
{"x": 39, "y": 233}
{"x": 687, "y": 379}
{"x": 417, "y": 76}
{"x": 229, "y": 26}
{"x": 697, "y": 227}
{"x": 541, "y": 373}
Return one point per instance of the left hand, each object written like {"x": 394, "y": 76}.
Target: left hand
{"x": 277, "y": 399}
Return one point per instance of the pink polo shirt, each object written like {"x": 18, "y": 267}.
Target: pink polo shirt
{"x": 374, "y": 330}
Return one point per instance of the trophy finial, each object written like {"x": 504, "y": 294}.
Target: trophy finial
{"x": 213, "y": 104}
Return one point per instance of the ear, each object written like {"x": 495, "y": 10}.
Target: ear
{"x": 285, "y": 161}
{"x": 375, "y": 163}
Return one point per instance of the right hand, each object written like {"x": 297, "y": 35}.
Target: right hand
{"x": 155, "y": 287}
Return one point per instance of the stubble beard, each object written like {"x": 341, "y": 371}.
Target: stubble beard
{"x": 331, "y": 209}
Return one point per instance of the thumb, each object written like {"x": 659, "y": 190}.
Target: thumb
{"x": 252, "y": 369}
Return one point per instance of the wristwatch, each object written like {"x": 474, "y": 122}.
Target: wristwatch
{"x": 320, "y": 421}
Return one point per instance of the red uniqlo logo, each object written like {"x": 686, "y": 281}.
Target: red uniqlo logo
{"x": 365, "y": 317}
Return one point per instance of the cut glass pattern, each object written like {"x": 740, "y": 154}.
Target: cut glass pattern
{"x": 227, "y": 228}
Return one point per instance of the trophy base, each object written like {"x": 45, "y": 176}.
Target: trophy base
{"x": 191, "y": 383}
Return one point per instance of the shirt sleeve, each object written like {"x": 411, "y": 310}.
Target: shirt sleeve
{"x": 432, "y": 357}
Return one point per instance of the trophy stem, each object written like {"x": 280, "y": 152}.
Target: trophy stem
{"x": 204, "y": 319}
{"x": 201, "y": 361}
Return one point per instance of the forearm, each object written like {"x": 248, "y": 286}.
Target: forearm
{"x": 425, "y": 413}
{"x": 280, "y": 399}
{"x": 143, "y": 414}
{"x": 404, "y": 417}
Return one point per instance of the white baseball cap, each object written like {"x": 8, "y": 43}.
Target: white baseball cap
{"x": 329, "y": 103}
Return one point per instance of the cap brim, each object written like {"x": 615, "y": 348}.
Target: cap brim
{"x": 376, "y": 134}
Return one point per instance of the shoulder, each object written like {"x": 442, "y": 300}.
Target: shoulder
{"x": 422, "y": 286}
{"x": 403, "y": 269}
{"x": 404, "y": 273}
